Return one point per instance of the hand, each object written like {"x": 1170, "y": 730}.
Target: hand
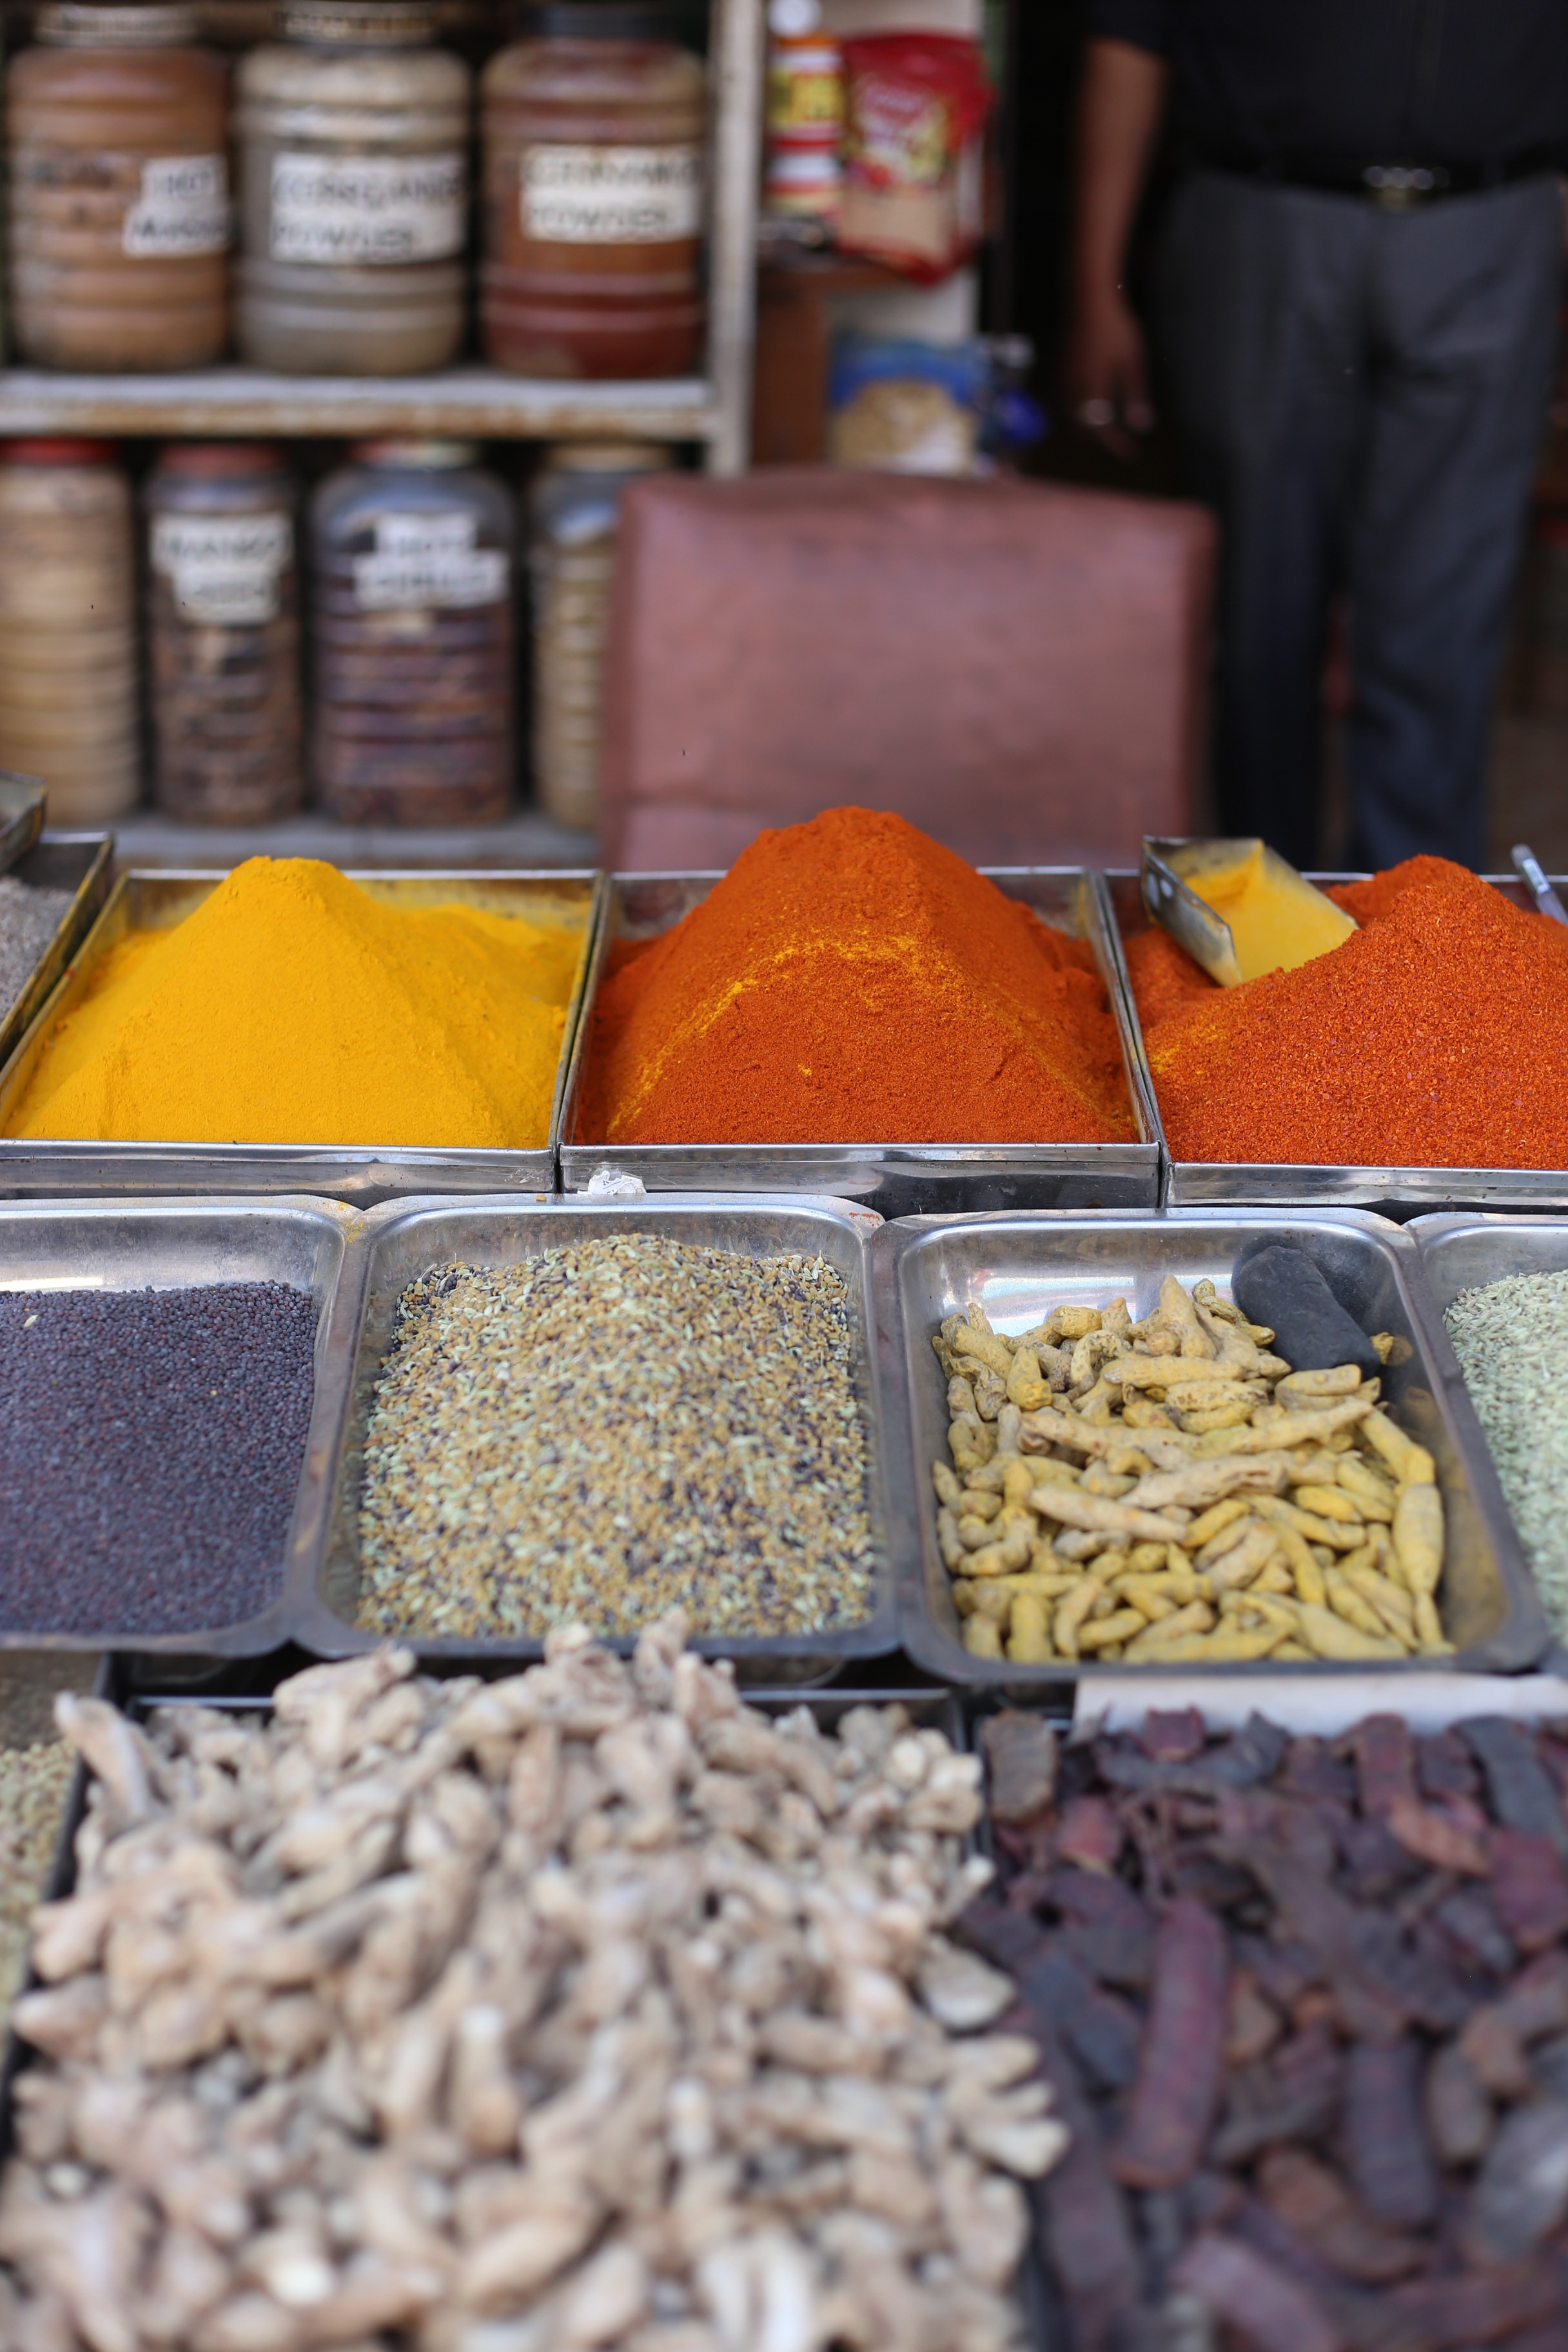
{"x": 1107, "y": 374}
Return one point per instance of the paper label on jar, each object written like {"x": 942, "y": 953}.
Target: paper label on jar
{"x": 366, "y": 209}
{"x": 428, "y": 560}
{"x": 611, "y": 196}
{"x": 183, "y": 209}
{"x": 224, "y": 569}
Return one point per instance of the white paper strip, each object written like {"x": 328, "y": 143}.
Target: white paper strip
{"x": 1325, "y": 1704}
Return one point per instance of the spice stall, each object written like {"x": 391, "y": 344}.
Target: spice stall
{"x": 665, "y": 1913}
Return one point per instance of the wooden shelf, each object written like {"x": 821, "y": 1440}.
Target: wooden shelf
{"x": 467, "y": 403}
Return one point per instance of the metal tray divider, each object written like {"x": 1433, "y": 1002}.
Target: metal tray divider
{"x": 1490, "y": 1248}
{"x": 82, "y": 863}
{"x": 893, "y": 1178}
{"x": 362, "y": 1173}
{"x": 1060, "y": 1251}
{"x": 1390, "y": 1192}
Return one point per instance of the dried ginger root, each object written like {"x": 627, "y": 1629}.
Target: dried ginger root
{"x": 586, "y": 2009}
{"x": 1177, "y": 1493}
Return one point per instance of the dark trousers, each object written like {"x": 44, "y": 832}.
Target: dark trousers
{"x": 1360, "y": 395}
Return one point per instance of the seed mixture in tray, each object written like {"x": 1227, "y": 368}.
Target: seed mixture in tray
{"x": 611, "y": 1430}
{"x": 33, "y": 1785}
{"x": 1174, "y": 1491}
{"x": 586, "y": 2009}
{"x": 151, "y": 1447}
{"x": 1304, "y": 2005}
{"x": 29, "y": 919}
{"x": 1511, "y": 1341}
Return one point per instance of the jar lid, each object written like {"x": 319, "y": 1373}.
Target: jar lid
{"x": 606, "y": 456}
{"x": 595, "y": 20}
{"x": 83, "y": 25}
{"x": 60, "y": 451}
{"x": 218, "y": 461}
{"x": 357, "y": 24}
{"x": 432, "y": 455}
{"x": 791, "y": 20}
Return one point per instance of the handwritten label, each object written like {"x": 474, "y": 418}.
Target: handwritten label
{"x": 371, "y": 209}
{"x": 611, "y": 196}
{"x": 183, "y": 209}
{"x": 224, "y": 569}
{"x": 430, "y": 561}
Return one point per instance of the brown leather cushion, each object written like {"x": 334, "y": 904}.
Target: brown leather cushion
{"x": 1017, "y": 667}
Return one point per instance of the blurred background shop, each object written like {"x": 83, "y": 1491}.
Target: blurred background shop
{"x": 343, "y": 337}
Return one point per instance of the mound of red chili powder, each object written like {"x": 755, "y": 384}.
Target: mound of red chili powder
{"x": 1436, "y": 1037}
{"x": 851, "y": 981}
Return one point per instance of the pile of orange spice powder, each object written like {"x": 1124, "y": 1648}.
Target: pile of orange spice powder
{"x": 851, "y": 981}
{"x": 1436, "y": 1037}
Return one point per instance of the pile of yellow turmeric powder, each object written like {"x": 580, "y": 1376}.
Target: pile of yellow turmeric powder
{"x": 292, "y": 1007}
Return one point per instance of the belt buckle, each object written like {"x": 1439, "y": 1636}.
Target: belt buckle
{"x": 1401, "y": 187}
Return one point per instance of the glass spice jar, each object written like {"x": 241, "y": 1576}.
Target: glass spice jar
{"x": 354, "y": 138}
{"x": 413, "y": 551}
{"x": 222, "y": 625}
{"x": 69, "y": 699}
{"x": 573, "y": 506}
{"x": 119, "y": 209}
{"x": 591, "y": 130}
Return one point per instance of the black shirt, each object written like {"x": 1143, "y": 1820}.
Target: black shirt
{"x": 1263, "y": 82}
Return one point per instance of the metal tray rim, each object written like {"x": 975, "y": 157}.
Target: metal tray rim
{"x": 1134, "y": 1160}
{"x": 204, "y": 1166}
{"x": 1313, "y": 1184}
{"x": 268, "y": 1629}
{"x": 317, "y": 1627}
{"x": 87, "y": 901}
{"x": 1511, "y": 1650}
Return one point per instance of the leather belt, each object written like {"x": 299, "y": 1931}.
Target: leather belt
{"x": 1392, "y": 187}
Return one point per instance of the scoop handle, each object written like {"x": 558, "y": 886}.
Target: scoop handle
{"x": 1529, "y": 871}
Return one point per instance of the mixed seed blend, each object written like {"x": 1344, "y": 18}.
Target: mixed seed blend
{"x": 34, "y": 1784}
{"x": 1511, "y": 1341}
{"x": 613, "y": 1430}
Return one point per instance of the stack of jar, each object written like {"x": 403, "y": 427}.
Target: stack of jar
{"x": 411, "y": 584}
{"x": 68, "y": 627}
{"x": 352, "y": 134}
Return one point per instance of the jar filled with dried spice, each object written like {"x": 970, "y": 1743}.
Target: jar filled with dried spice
{"x": 412, "y": 551}
{"x": 593, "y": 130}
{"x": 574, "y": 507}
{"x": 354, "y": 140}
{"x": 223, "y": 617}
{"x": 117, "y": 140}
{"x": 69, "y": 703}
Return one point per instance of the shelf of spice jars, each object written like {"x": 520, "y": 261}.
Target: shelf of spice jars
{"x": 466, "y": 402}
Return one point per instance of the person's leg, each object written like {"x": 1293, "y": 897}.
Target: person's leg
{"x": 1259, "y": 319}
{"x": 1465, "y": 337}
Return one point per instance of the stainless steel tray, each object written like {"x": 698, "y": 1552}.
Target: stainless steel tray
{"x": 158, "y": 900}
{"x": 895, "y": 1179}
{"x": 404, "y": 1239}
{"x": 161, "y": 1245}
{"x": 1464, "y": 1253}
{"x": 28, "y": 1686}
{"x": 1019, "y": 1268}
{"x": 1398, "y": 1193}
{"x": 83, "y": 864}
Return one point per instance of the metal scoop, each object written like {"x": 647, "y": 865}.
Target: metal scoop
{"x": 1531, "y": 873}
{"x": 1172, "y": 874}
{"x": 21, "y": 816}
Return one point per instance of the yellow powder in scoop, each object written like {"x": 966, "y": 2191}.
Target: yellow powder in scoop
{"x": 292, "y": 1007}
